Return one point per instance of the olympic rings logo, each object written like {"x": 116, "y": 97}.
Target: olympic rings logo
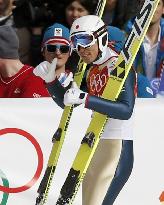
{"x": 5, "y": 188}
{"x": 97, "y": 82}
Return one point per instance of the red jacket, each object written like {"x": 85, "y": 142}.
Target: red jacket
{"x": 24, "y": 84}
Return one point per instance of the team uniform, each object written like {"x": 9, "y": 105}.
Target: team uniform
{"x": 24, "y": 84}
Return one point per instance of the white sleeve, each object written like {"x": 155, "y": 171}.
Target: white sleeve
{"x": 65, "y": 78}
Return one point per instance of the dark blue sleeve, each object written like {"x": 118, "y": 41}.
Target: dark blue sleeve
{"x": 57, "y": 91}
{"x": 143, "y": 87}
{"x": 122, "y": 108}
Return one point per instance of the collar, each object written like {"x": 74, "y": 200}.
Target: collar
{"x": 106, "y": 54}
{"x": 146, "y": 39}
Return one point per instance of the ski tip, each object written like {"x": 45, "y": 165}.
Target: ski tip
{"x": 62, "y": 200}
{"x": 39, "y": 200}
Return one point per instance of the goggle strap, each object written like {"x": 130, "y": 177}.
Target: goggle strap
{"x": 95, "y": 33}
{"x": 100, "y": 31}
{"x": 77, "y": 32}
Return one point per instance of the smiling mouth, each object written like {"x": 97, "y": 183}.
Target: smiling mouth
{"x": 85, "y": 54}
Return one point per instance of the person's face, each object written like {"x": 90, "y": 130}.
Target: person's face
{"x": 5, "y": 5}
{"x": 88, "y": 54}
{"x": 62, "y": 57}
{"x": 74, "y": 11}
{"x": 158, "y": 13}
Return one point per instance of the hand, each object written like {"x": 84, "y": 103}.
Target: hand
{"x": 74, "y": 96}
{"x": 46, "y": 70}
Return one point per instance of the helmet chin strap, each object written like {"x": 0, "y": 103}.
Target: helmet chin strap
{"x": 102, "y": 45}
{"x": 101, "y": 54}
{"x": 100, "y": 57}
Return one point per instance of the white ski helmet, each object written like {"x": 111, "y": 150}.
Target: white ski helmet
{"x": 93, "y": 25}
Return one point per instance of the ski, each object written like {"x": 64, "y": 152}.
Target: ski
{"x": 59, "y": 135}
{"x": 116, "y": 81}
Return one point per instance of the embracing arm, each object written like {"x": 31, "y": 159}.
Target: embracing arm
{"x": 57, "y": 91}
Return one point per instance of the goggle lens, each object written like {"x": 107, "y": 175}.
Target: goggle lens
{"x": 83, "y": 40}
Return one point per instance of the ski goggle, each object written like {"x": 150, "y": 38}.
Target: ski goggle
{"x": 53, "y": 48}
{"x": 82, "y": 39}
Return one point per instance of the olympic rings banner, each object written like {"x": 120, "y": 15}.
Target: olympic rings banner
{"x": 27, "y": 127}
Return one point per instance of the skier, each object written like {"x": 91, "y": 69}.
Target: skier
{"x": 112, "y": 163}
{"x": 113, "y": 160}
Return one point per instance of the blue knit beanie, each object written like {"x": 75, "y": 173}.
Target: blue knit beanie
{"x": 57, "y": 33}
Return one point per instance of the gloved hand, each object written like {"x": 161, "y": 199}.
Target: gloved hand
{"x": 46, "y": 70}
{"x": 74, "y": 96}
